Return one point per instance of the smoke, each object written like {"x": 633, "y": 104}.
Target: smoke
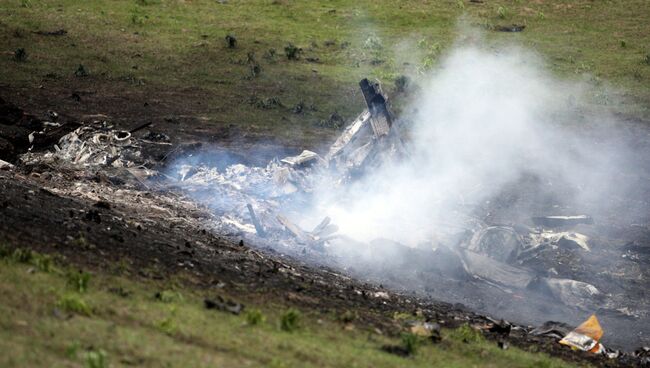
{"x": 484, "y": 121}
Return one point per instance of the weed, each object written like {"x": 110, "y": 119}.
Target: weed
{"x": 168, "y": 296}
{"x": 623, "y": 44}
{"x": 42, "y": 262}
{"x": 646, "y": 59}
{"x": 292, "y": 52}
{"x": 254, "y": 317}
{"x": 72, "y": 349}
{"x": 79, "y": 281}
{"x": 410, "y": 342}
{"x": 460, "y": 4}
{"x": 231, "y": 41}
{"x": 4, "y": 251}
{"x": 25, "y": 3}
{"x": 541, "y": 16}
{"x": 147, "y": 2}
{"x": 168, "y": 325}
{"x": 96, "y": 359}
{"x": 81, "y": 72}
{"x": 502, "y": 12}
{"x": 467, "y": 334}
{"x": 22, "y": 255}
{"x": 348, "y": 316}
{"x": 74, "y": 304}
{"x": 20, "y": 55}
{"x": 290, "y": 320}
{"x": 138, "y": 17}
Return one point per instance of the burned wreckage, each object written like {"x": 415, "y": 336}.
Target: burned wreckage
{"x": 263, "y": 205}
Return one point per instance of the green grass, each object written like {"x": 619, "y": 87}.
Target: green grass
{"x": 43, "y": 323}
{"x": 172, "y": 45}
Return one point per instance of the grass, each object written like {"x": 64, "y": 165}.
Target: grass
{"x": 102, "y": 328}
{"x": 310, "y": 53}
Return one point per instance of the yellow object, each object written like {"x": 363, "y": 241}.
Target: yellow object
{"x": 585, "y": 337}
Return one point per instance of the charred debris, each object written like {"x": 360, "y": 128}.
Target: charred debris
{"x": 259, "y": 203}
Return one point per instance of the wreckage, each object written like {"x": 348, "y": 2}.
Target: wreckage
{"x": 260, "y": 204}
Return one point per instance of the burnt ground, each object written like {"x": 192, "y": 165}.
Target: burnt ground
{"x": 169, "y": 240}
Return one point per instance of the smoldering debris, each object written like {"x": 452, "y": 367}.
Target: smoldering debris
{"x": 541, "y": 262}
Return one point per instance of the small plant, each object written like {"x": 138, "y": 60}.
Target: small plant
{"x": 25, "y": 3}
{"x": 231, "y": 41}
{"x": 502, "y": 12}
{"x": 138, "y": 16}
{"x": 410, "y": 342}
{"x": 79, "y": 281}
{"x": 168, "y": 296}
{"x": 292, "y": 52}
{"x": 460, "y": 4}
{"x": 4, "y": 251}
{"x": 254, "y": 317}
{"x": 22, "y": 255}
{"x": 541, "y": 16}
{"x": 623, "y": 44}
{"x": 42, "y": 262}
{"x": 74, "y": 304}
{"x": 96, "y": 359}
{"x": 20, "y": 55}
{"x": 290, "y": 320}
{"x": 467, "y": 334}
{"x": 348, "y": 316}
{"x": 646, "y": 59}
{"x": 81, "y": 72}
{"x": 167, "y": 326}
{"x": 72, "y": 349}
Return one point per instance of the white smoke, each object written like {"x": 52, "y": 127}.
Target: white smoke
{"x": 482, "y": 121}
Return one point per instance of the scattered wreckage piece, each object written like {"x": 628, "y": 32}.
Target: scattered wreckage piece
{"x": 304, "y": 158}
{"x": 586, "y": 336}
{"x": 369, "y": 140}
{"x": 558, "y": 221}
{"x": 256, "y": 222}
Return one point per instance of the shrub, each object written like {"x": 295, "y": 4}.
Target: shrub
{"x": 410, "y": 342}
{"x": 290, "y": 320}
{"x": 292, "y": 52}
{"x": 96, "y": 359}
{"x": 254, "y": 317}
{"x": 74, "y": 304}
{"x": 79, "y": 281}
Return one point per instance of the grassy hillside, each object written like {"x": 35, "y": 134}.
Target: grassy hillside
{"x": 57, "y": 316}
{"x": 174, "y": 52}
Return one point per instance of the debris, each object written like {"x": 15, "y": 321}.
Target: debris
{"x": 511, "y": 28}
{"x": 302, "y": 159}
{"x": 586, "y": 336}
{"x": 58, "y": 32}
{"x": 258, "y": 226}
{"x": 553, "y": 329}
{"x": 501, "y": 243}
{"x": 380, "y": 118}
{"x": 4, "y": 165}
{"x": 294, "y": 230}
{"x": 570, "y": 292}
{"x": 564, "y": 240}
{"x": 557, "y": 221}
{"x": 224, "y": 305}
